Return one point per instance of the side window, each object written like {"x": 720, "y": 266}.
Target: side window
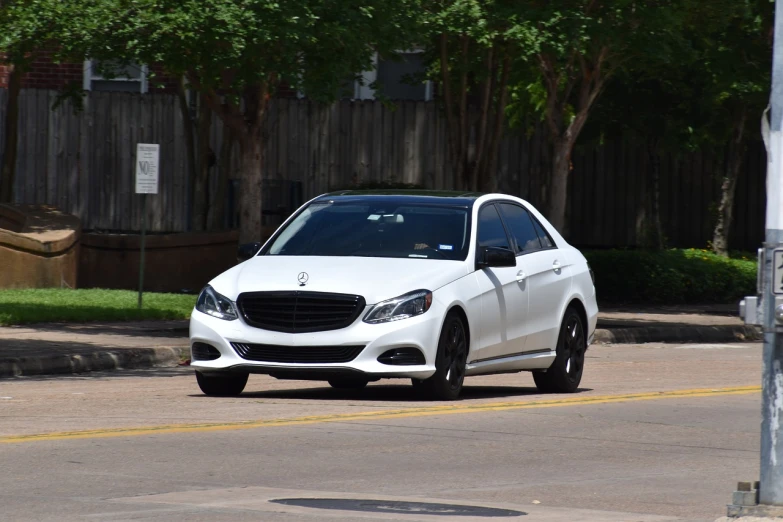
{"x": 546, "y": 239}
{"x": 522, "y": 228}
{"x": 490, "y": 229}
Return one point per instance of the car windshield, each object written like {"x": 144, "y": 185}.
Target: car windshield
{"x": 367, "y": 229}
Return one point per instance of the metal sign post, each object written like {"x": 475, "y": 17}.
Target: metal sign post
{"x": 147, "y": 156}
{"x": 771, "y": 490}
{"x": 765, "y": 497}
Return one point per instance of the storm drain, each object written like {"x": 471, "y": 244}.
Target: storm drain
{"x": 399, "y": 507}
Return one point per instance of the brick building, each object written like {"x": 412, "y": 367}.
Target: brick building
{"x": 45, "y": 73}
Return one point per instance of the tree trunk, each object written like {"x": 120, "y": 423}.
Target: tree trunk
{"x": 489, "y": 175}
{"x": 201, "y": 185}
{"x": 720, "y": 239}
{"x": 217, "y": 208}
{"x": 484, "y": 112}
{"x": 654, "y": 230}
{"x": 190, "y": 143}
{"x": 591, "y": 82}
{"x": 247, "y": 125}
{"x": 11, "y": 136}
{"x": 558, "y": 184}
{"x": 455, "y": 107}
{"x": 251, "y": 160}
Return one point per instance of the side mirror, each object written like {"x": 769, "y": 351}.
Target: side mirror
{"x": 246, "y": 251}
{"x": 496, "y": 257}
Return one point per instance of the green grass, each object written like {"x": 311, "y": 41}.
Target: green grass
{"x": 64, "y": 305}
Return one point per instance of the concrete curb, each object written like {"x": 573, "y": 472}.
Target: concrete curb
{"x": 678, "y": 334}
{"x": 107, "y": 359}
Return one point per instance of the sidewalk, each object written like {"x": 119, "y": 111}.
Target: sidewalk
{"x": 674, "y": 324}
{"x": 48, "y": 349}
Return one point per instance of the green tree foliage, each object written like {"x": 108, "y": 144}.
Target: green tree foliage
{"x": 577, "y": 47}
{"x": 473, "y": 46}
{"x": 707, "y": 93}
{"x": 733, "y": 43}
{"x": 235, "y": 53}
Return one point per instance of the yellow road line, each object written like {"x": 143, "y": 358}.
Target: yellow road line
{"x": 424, "y": 411}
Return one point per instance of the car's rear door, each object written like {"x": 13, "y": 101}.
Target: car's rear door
{"x": 546, "y": 272}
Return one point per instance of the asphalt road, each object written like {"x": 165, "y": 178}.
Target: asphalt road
{"x": 658, "y": 432}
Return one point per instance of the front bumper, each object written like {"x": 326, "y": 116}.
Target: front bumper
{"x": 419, "y": 332}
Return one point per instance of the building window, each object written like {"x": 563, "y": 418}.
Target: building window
{"x": 395, "y": 79}
{"x": 105, "y": 76}
{"x": 401, "y": 80}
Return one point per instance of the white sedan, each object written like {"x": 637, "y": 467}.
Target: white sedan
{"x": 431, "y": 286}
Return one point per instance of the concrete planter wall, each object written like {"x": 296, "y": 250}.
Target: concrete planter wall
{"x": 39, "y": 247}
{"x": 174, "y": 262}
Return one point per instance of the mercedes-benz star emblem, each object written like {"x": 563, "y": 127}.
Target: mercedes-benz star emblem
{"x": 303, "y": 277}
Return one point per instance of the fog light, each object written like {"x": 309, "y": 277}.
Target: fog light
{"x": 204, "y": 352}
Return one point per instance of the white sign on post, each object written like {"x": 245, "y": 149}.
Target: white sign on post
{"x": 147, "y": 155}
{"x": 777, "y": 272}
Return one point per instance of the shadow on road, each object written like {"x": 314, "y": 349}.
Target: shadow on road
{"x": 390, "y": 393}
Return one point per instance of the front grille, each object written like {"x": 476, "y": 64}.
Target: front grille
{"x": 297, "y": 354}
{"x": 299, "y": 312}
{"x": 402, "y": 357}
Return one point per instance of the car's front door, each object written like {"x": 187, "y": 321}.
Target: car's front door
{"x": 503, "y": 295}
{"x": 547, "y": 272}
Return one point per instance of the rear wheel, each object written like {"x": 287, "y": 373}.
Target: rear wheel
{"x": 446, "y": 383}
{"x": 344, "y": 383}
{"x": 227, "y": 385}
{"x": 565, "y": 374}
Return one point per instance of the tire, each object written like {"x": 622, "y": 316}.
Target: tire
{"x": 347, "y": 383}
{"x": 450, "y": 362}
{"x": 565, "y": 374}
{"x": 228, "y": 385}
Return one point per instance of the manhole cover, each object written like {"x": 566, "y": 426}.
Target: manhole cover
{"x": 394, "y": 506}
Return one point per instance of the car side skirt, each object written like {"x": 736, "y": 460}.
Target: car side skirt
{"x": 514, "y": 362}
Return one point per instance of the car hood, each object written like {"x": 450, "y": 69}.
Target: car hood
{"x": 374, "y": 278}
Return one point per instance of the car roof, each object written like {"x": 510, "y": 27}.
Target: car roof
{"x": 446, "y": 198}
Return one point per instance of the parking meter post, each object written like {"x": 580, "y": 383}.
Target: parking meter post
{"x": 771, "y": 479}
{"x": 142, "y": 246}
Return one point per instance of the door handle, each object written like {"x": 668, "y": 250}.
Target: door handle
{"x": 521, "y": 276}
{"x": 556, "y": 265}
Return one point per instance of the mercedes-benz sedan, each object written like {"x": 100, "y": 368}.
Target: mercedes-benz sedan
{"x": 358, "y": 286}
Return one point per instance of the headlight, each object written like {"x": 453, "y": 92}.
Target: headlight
{"x": 408, "y": 305}
{"x": 216, "y": 305}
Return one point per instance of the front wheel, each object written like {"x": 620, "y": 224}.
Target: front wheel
{"x": 450, "y": 362}
{"x": 228, "y": 385}
{"x": 565, "y": 374}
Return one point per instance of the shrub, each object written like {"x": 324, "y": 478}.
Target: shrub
{"x": 670, "y": 276}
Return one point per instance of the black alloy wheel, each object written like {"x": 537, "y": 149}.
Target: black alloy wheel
{"x": 565, "y": 374}
{"x": 227, "y": 385}
{"x": 450, "y": 362}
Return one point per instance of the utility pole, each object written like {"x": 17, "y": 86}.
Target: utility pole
{"x": 771, "y": 483}
{"x": 766, "y": 309}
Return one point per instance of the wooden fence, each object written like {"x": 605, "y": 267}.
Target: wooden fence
{"x": 83, "y": 163}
